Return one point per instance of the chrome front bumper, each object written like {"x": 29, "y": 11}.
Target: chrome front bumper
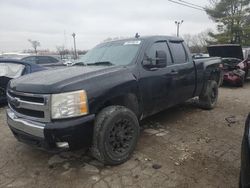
{"x": 27, "y": 126}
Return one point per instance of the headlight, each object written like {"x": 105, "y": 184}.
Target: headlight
{"x": 71, "y": 104}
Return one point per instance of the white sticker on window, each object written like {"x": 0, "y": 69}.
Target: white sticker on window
{"x": 134, "y": 42}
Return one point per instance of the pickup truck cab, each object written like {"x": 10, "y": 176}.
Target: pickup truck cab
{"x": 99, "y": 102}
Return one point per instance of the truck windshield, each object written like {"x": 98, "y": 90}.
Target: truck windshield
{"x": 113, "y": 53}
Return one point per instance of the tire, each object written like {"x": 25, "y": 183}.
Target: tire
{"x": 209, "y": 96}
{"x": 116, "y": 132}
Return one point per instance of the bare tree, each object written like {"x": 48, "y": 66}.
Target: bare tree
{"x": 34, "y": 44}
{"x": 198, "y": 42}
{"x": 188, "y": 39}
{"x": 61, "y": 51}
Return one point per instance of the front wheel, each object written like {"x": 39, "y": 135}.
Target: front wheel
{"x": 115, "y": 136}
{"x": 209, "y": 96}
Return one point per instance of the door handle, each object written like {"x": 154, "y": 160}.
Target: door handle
{"x": 174, "y": 72}
{"x": 153, "y": 69}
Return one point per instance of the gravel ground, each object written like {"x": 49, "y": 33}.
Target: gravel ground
{"x": 181, "y": 147}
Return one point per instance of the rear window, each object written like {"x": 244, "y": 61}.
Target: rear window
{"x": 11, "y": 70}
{"x": 53, "y": 60}
{"x": 178, "y": 52}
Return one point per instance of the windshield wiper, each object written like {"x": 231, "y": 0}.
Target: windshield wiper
{"x": 101, "y": 63}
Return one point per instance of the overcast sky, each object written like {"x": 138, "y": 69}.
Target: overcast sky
{"x": 53, "y": 21}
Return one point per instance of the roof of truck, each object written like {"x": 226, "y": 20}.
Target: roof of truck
{"x": 154, "y": 37}
{"x": 160, "y": 36}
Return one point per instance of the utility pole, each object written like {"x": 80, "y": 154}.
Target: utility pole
{"x": 178, "y": 24}
{"x": 74, "y": 37}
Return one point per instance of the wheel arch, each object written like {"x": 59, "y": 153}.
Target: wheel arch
{"x": 128, "y": 100}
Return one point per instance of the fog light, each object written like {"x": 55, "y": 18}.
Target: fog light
{"x": 62, "y": 145}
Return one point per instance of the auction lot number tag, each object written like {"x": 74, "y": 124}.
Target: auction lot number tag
{"x": 134, "y": 42}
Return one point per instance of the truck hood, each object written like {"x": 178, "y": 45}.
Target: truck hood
{"x": 226, "y": 51}
{"x": 60, "y": 80}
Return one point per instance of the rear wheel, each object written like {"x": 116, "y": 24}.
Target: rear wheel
{"x": 209, "y": 96}
{"x": 115, "y": 136}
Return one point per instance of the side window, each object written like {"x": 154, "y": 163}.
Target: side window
{"x": 52, "y": 60}
{"x": 30, "y": 59}
{"x": 43, "y": 60}
{"x": 159, "y": 46}
{"x": 178, "y": 52}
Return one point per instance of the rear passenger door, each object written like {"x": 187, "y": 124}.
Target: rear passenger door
{"x": 184, "y": 71}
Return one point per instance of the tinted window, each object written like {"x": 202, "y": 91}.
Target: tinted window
{"x": 53, "y": 60}
{"x": 46, "y": 60}
{"x": 178, "y": 52}
{"x": 159, "y": 46}
{"x": 30, "y": 59}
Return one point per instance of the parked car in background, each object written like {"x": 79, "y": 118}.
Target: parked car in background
{"x": 43, "y": 60}
{"x": 99, "y": 102}
{"x": 235, "y": 67}
{"x": 233, "y": 74}
{"x": 10, "y": 69}
{"x": 245, "y": 156}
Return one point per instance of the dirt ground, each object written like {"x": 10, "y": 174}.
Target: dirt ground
{"x": 181, "y": 147}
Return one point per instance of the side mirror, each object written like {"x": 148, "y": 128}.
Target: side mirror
{"x": 159, "y": 61}
{"x": 161, "y": 58}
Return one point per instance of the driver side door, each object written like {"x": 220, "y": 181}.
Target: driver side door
{"x": 156, "y": 83}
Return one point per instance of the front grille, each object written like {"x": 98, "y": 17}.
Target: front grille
{"x": 27, "y": 112}
{"x": 29, "y": 98}
{"x": 31, "y": 106}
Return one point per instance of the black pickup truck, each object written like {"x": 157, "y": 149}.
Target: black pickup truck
{"x": 99, "y": 102}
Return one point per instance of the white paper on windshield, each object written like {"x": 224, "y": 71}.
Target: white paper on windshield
{"x": 11, "y": 70}
{"x": 134, "y": 42}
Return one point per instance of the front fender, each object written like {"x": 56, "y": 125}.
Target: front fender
{"x": 118, "y": 86}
